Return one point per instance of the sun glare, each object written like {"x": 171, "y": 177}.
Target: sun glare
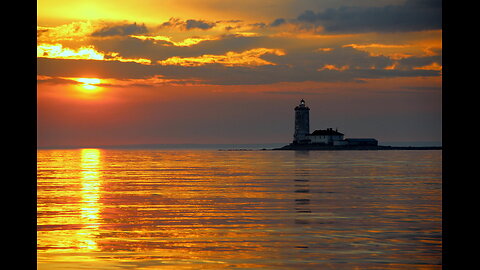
{"x": 89, "y": 84}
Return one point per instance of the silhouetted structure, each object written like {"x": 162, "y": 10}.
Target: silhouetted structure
{"x": 302, "y": 124}
{"x": 329, "y": 139}
{"x": 327, "y": 136}
{"x": 302, "y": 135}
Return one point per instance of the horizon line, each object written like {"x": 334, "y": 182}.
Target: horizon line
{"x": 212, "y": 145}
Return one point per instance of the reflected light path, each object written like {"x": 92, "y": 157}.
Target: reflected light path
{"x": 90, "y": 190}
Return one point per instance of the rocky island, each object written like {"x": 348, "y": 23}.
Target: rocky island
{"x": 330, "y": 139}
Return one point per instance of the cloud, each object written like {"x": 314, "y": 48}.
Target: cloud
{"x": 247, "y": 58}
{"x": 57, "y": 80}
{"x": 258, "y": 25}
{"x": 89, "y": 52}
{"x": 354, "y": 67}
{"x": 233, "y": 59}
{"x": 188, "y": 24}
{"x": 159, "y": 49}
{"x": 278, "y": 22}
{"x": 413, "y": 15}
{"x": 191, "y": 24}
{"x": 121, "y": 30}
{"x": 167, "y": 41}
{"x": 424, "y": 62}
{"x": 58, "y": 51}
{"x": 334, "y": 57}
{"x": 77, "y": 31}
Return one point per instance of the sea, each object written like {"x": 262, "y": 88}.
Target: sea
{"x": 233, "y": 209}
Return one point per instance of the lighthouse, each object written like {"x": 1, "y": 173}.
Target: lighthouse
{"x": 302, "y": 124}
{"x": 325, "y": 139}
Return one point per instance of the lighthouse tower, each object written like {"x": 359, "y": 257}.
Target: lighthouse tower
{"x": 302, "y": 124}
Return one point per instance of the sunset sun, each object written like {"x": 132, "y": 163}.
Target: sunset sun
{"x": 89, "y": 84}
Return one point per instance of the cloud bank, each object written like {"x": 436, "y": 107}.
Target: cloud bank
{"x": 121, "y": 30}
{"x": 235, "y": 52}
{"x": 413, "y": 15}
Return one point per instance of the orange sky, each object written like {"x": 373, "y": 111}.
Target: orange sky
{"x": 211, "y": 71}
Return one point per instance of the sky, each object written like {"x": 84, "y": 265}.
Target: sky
{"x": 221, "y": 71}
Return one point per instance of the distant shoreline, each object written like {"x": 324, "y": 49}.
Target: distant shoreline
{"x": 354, "y": 147}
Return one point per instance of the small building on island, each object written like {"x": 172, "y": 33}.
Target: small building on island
{"x": 327, "y": 136}
{"x": 330, "y": 137}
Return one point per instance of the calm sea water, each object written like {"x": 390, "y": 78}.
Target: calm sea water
{"x": 207, "y": 209}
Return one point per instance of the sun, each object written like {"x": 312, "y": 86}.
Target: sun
{"x": 89, "y": 84}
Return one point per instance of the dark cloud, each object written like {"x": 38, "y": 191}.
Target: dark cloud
{"x": 172, "y": 22}
{"x": 130, "y": 47}
{"x": 219, "y": 75}
{"x": 191, "y": 24}
{"x": 228, "y": 28}
{"x": 258, "y": 25}
{"x": 278, "y": 22}
{"x": 188, "y": 24}
{"x": 413, "y": 15}
{"x": 340, "y": 56}
{"x": 52, "y": 80}
{"x": 413, "y": 62}
{"x": 121, "y": 30}
{"x": 41, "y": 32}
{"x": 157, "y": 50}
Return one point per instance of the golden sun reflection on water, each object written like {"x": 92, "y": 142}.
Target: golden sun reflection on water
{"x": 90, "y": 205}
{"x": 68, "y": 204}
